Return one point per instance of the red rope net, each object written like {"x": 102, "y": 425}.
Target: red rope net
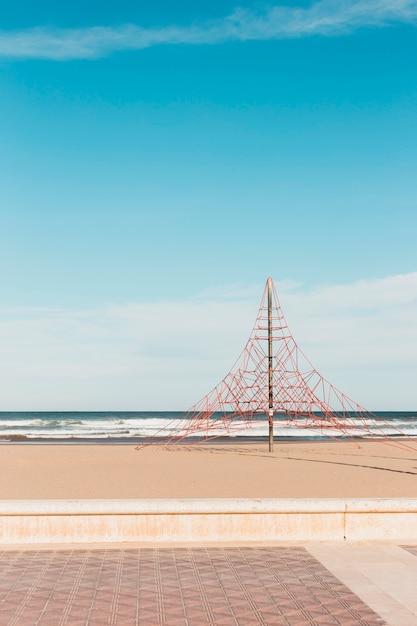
{"x": 302, "y": 397}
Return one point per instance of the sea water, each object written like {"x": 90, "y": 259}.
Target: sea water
{"x": 137, "y": 426}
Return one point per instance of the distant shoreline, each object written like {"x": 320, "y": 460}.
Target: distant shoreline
{"x": 140, "y": 441}
{"x": 137, "y": 427}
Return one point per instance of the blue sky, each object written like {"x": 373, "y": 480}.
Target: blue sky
{"x": 166, "y": 154}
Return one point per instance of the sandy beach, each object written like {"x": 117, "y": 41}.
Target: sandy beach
{"x": 294, "y": 470}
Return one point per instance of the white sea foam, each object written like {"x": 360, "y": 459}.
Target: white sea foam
{"x": 124, "y": 426}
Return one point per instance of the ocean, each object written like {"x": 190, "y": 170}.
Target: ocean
{"x": 140, "y": 426}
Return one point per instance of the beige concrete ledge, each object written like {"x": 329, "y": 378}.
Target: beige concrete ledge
{"x": 207, "y": 520}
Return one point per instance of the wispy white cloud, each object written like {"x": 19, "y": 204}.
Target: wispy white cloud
{"x": 372, "y": 323}
{"x": 166, "y": 355}
{"x": 326, "y": 17}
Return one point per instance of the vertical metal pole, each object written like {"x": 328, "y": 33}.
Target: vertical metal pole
{"x": 270, "y": 370}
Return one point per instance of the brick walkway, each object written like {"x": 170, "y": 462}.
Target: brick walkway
{"x": 238, "y": 586}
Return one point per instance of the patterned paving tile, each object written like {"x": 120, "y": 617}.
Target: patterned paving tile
{"x": 258, "y": 586}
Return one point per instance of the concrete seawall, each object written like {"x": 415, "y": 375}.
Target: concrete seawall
{"x": 207, "y": 520}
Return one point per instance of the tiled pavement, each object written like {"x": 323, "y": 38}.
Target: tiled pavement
{"x": 317, "y": 585}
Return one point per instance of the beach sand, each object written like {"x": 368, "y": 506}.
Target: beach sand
{"x": 325, "y": 469}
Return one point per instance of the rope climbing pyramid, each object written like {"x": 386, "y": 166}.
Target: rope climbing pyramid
{"x": 273, "y": 380}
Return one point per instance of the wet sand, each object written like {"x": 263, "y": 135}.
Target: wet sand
{"x": 294, "y": 470}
